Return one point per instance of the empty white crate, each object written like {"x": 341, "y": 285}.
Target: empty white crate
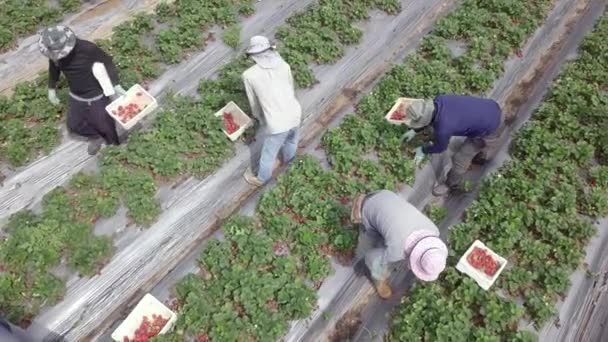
{"x": 482, "y": 279}
{"x": 145, "y": 101}
{"x": 240, "y": 118}
{"x": 147, "y": 306}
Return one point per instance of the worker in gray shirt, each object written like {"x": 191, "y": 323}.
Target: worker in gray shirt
{"x": 393, "y": 230}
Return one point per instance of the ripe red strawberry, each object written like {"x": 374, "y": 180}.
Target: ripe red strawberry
{"x": 231, "y": 125}
{"x": 399, "y": 113}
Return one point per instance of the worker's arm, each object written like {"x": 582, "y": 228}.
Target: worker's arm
{"x": 102, "y": 57}
{"x": 53, "y": 75}
{"x": 440, "y": 143}
{"x": 256, "y": 109}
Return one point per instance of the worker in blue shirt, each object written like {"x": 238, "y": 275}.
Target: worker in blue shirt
{"x": 480, "y": 120}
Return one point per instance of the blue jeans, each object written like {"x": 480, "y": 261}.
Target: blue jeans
{"x": 272, "y": 144}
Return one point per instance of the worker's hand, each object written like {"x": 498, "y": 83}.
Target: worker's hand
{"x": 53, "y": 97}
{"x": 419, "y": 156}
{"x": 409, "y": 135}
{"x": 120, "y": 91}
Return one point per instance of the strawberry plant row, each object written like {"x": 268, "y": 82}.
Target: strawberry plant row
{"x": 175, "y": 29}
{"x": 184, "y": 140}
{"x": 19, "y": 17}
{"x": 555, "y": 186}
{"x": 265, "y": 272}
{"x": 489, "y": 32}
{"x": 306, "y": 215}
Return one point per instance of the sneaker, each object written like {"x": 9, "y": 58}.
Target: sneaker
{"x": 252, "y": 179}
{"x": 384, "y": 289}
{"x": 94, "y": 146}
{"x": 440, "y": 189}
{"x": 355, "y": 213}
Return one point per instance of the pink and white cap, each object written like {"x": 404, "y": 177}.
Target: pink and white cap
{"x": 427, "y": 254}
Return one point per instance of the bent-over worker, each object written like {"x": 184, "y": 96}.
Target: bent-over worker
{"x": 270, "y": 90}
{"x": 480, "y": 120}
{"x": 396, "y": 231}
{"x": 92, "y": 78}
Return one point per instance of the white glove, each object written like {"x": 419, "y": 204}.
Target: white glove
{"x": 53, "y": 97}
{"x": 419, "y": 156}
{"x": 409, "y": 135}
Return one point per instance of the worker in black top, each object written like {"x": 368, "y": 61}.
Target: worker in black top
{"x": 92, "y": 78}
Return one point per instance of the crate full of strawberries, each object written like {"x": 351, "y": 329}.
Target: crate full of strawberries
{"x": 234, "y": 119}
{"x": 148, "y": 319}
{"x": 397, "y": 114}
{"x": 481, "y": 264}
{"x": 129, "y": 109}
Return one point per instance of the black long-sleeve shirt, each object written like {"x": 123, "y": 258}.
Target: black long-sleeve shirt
{"x": 78, "y": 69}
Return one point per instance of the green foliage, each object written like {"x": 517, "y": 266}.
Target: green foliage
{"x": 19, "y": 18}
{"x": 436, "y": 213}
{"x": 232, "y": 36}
{"x": 252, "y": 293}
{"x": 321, "y": 33}
{"x": 258, "y": 275}
{"x": 38, "y": 243}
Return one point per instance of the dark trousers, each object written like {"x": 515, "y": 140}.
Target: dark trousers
{"x": 90, "y": 120}
{"x": 485, "y": 146}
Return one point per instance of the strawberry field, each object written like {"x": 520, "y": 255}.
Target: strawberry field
{"x": 555, "y": 188}
{"x": 19, "y": 18}
{"x": 135, "y": 213}
{"x": 32, "y": 123}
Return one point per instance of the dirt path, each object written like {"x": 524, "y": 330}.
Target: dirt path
{"x": 194, "y": 208}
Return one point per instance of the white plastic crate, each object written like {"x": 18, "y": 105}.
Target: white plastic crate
{"x": 482, "y": 279}
{"x": 145, "y": 101}
{"x": 147, "y": 306}
{"x": 401, "y": 100}
{"x": 240, "y": 118}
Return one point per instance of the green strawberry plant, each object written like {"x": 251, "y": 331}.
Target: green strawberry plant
{"x": 436, "y": 213}
{"x": 19, "y": 18}
{"x": 232, "y": 36}
{"x": 321, "y": 33}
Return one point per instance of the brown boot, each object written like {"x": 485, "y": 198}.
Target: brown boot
{"x": 384, "y": 289}
{"x": 355, "y": 214}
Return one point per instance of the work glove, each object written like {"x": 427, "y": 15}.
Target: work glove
{"x": 419, "y": 156}
{"x": 53, "y": 97}
{"x": 118, "y": 92}
{"x": 409, "y": 135}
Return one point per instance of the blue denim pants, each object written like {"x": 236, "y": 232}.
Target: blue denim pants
{"x": 288, "y": 141}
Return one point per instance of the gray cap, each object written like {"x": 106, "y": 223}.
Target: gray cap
{"x": 56, "y": 42}
{"x": 419, "y": 113}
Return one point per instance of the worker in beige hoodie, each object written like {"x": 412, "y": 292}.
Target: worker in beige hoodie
{"x": 271, "y": 93}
